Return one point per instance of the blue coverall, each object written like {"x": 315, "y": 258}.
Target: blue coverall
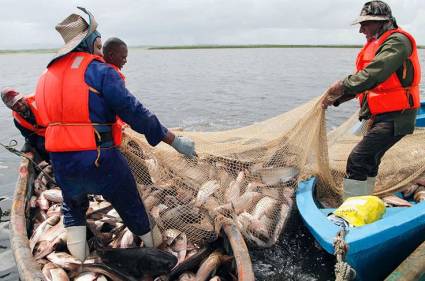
{"x": 76, "y": 172}
{"x": 36, "y": 141}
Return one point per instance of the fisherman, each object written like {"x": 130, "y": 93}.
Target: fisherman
{"x": 27, "y": 120}
{"x": 79, "y": 98}
{"x": 387, "y": 86}
{"x": 115, "y": 53}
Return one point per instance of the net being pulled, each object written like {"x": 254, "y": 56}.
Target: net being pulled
{"x": 247, "y": 176}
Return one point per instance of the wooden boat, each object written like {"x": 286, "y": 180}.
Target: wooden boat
{"x": 374, "y": 250}
{"x": 412, "y": 268}
{"x": 30, "y": 270}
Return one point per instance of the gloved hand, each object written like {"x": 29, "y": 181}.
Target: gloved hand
{"x": 184, "y": 145}
{"x": 335, "y": 91}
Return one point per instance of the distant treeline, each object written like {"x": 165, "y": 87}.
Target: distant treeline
{"x": 41, "y": 51}
{"x": 252, "y": 46}
{"x": 248, "y": 46}
{"x": 200, "y": 47}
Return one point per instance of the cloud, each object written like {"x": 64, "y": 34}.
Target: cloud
{"x": 31, "y": 24}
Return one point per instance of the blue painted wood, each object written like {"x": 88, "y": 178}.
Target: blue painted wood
{"x": 374, "y": 249}
{"x": 420, "y": 117}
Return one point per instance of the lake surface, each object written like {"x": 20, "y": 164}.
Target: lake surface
{"x": 208, "y": 90}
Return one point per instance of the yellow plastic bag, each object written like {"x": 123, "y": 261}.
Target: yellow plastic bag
{"x": 361, "y": 210}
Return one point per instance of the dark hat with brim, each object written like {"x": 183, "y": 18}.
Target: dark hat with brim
{"x": 375, "y": 10}
{"x": 74, "y": 29}
{"x": 361, "y": 19}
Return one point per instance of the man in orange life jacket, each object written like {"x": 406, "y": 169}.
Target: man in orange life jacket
{"x": 79, "y": 98}
{"x": 387, "y": 86}
{"x": 26, "y": 119}
{"x": 115, "y": 52}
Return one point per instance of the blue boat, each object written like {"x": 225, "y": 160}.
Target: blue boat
{"x": 420, "y": 116}
{"x": 374, "y": 250}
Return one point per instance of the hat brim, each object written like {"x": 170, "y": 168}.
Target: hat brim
{"x": 72, "y": 44}
{"x": 361, "y": 19}
{"x": 16, "y": 99}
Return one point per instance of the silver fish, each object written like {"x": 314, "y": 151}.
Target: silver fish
{"x": 210, "y": 264}
{"x": 393, "y": 200}
{"x": 46, "y": 270}
{"x": 410, "y": 189}
{"x": 58, "y": 274}
{"x": 205, "y": 191}
{"x": 44, "y": 226}
{"x": 65, "y": 261}
{"x": 277, "y": 175}
{"x": 248, "y": 222}
{"x": 243, "y": 203}
{"x": 419, "y": 195}
{"x": 53, "y": 195}
{"x": 265, "y": 206}
{"x": 233, "y": 191}
{"x": 180, "y": 247}
{"x": 86, "y": 276}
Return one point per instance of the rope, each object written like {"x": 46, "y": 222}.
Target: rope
{"x": 11, "y": 148}
{"x": 343, "y": 271}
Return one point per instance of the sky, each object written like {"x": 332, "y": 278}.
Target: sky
{"x": 30, "y": 24}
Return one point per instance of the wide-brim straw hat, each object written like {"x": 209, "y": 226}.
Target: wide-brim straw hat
{"x": 73, "y": 30}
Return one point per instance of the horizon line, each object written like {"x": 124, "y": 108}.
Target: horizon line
{"x": 203, "y": 46}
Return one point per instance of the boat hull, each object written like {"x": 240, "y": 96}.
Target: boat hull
{"x": 374, "y": 250}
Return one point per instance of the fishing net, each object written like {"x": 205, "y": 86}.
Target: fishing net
{"x": 247, "y": 176}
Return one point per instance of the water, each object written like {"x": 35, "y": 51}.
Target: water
{"x": 210, "y": 90}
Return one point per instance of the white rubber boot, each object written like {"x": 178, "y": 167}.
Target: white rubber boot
{"x": 147, "y": 239}
{"x": 76, "y": 241}
{"x": 371, "y": 184}
{"x": 355, "y": 188}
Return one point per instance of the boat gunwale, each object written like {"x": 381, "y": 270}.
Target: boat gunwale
{"x": 361, "y": 238}
{"x": 28, "y": 268}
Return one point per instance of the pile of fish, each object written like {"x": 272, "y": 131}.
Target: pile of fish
{"x": 414, "y": 191}
{"x": 193, "y": 197}
{"x": 115, "y": 253}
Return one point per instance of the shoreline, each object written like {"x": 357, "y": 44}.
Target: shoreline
{"x": 192, "y": 47}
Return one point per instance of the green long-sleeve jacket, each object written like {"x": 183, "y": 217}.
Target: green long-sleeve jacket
{"x": 389, "y": 59}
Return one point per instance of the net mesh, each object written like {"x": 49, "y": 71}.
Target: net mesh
{"x": 247, "y": 176}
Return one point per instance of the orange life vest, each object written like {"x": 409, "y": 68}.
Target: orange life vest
{"x": 62, "y": 97}
{"x": 390, "y": 95}
{"x": 117, "y": 70}
{"x": 36, "y": 128}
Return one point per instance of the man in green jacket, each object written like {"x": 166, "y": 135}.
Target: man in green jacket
{"x": 387, "y": 85}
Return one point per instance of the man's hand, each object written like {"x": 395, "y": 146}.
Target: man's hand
{"x": 184, "y": 145}
{"x": 335, "y": 91}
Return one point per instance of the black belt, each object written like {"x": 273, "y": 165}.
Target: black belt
{"x": 105, "y": 140}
